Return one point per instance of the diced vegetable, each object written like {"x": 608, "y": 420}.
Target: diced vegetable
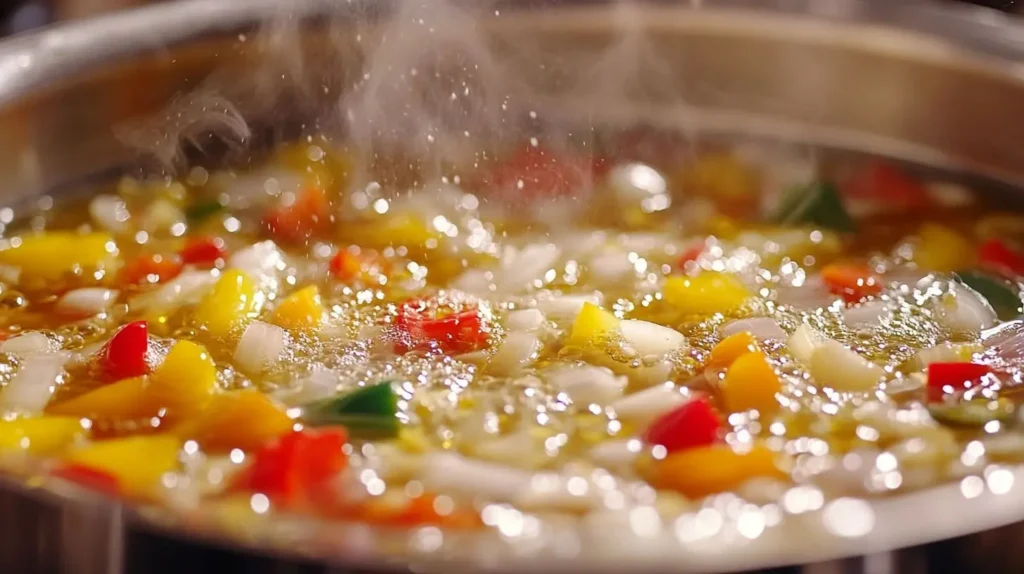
{"x": 261, "y": 346}
{"x": 998, "y": 256}
{"x": 689, "y": 255}
{"x": 419, "y": 326}
{"x": 851, "y": 282}
{"x": 643, "y": 406}
{"x": 125, "y": 400}
{"x": 348, "y": 266}
{"x": 302, "y": 311}
{"x": 125, "y": 354}
{"x": 307, "y": 215}
{"x": 816, "y": 204}
{"x": 184, "y": 384}
{"x": 40, "y": 435}
{"x": 701, "y": 471}
{"x": 525, "y": 320}
{"x": 942, "y": 249}
{"x": 245, "y": 419}
{"x": 997, "y": 292}
{"x": 648, "y": 338}
{"x": 587, "y": 384}
{"x": 137, "y": 462}
{"x": 87, "y": 301}
{"x": 804, "y": 341}
{"x": 706, "y": 293}
{"x": 751, "y": 384}
{"x": 724, "y": 179}
{"x": 109, "y": 212}
{"x": 366, "y": 412}
{"x": 233, "y": 302}
{"x": 52, "y": 255}
{"x": 289, "y": 468}
{"x": 833, "y": 365}
{"x": 945, "y": 353}
{"x": 534, "y": 172}
{"x": 203, "y": 251}
{"x": 951, "y": 378}
{"x": 759, "y": 327}
{"x": 410, "y": 513}
{"x": 972, "y": 414}
{"x": 148, "y": 269}
{"x": 593, "y": 326}
{"x": 692, "y": 424}
{"x": 32, "y": 342}
{"x": 34, "y": 383}
{"x": 517, "y": 351}
{"x": 881, "y": 186}
{"x": 88, "y": 477}
{"x": 730, "y": 349}
{"x": 202, "y": 210}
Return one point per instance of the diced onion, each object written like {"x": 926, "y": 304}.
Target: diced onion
{"x": 804, "y": 341}
{"x": 33, "y": 385}
{"x": 865, "y": 314}
{"x": 616, "y": 454}
{"x": 964, "y": 310}
{"x": 1007, "y": 339}
{"x": 519, "y": 449}
{"x": 759, "y": 327}
{"x": 610, "y": 266}
{"x": 525, "y": 320}
{"x": 32, "y": 342}
{"x": 182, "y": 290}
{"x": 260, "y": 347}
{"x": 833, "y": 365}
{"x": 565, "y": 307}
{"x": 650, "y": 338}
{"x": 943, "y": 353}
{"x": 518, "y": 350}
{"x": 587, "y": 384}
{"x": 87, "y": 301}
{"x": 259, "y": 260}
{"x": 478, "y": 282}
{"x": 109, "y": 212}
{"x": 319, "y": 384}
{"x": 521, "y": 267}
{"x": 647, "y": 404}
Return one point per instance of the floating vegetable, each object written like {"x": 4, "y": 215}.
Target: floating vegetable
{"x": 203, "y": 251}
{"x": 692, "y": 424}
{"x": 999, "y": 293}
{"x": 701, "y": 471}
{"x": 52, "y": 255}
{"x": 953, "y": 378}
{"x": 367, "y": 412}
{"x": 851, "y": 282}
{"x": 290, "y": 468}
{"x": 138, "y": 463}
{"x": 815, "y": 204}
{"x": 450, "y": 331}
{"x": 706, "y": 293}
{"x": 125, "y": 354}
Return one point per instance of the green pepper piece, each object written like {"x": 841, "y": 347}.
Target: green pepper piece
{"x": 819, "y": 204}
{"x": 201, "y": 210}
{"x": 972, "y": 414}
{"x": 1004, "y": 299}
{"x": 368, "y": 412}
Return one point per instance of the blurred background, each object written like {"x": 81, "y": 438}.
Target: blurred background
{"x": 20, "y": 15}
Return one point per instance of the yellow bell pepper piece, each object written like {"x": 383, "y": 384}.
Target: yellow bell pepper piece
{"x": 54, "y": 254}
{"x": 244, "y": 419}
{"x": 730, "y": 349}
{"x": 185, "y": 382}
{"x": 593, "y": 325}
{"x": 300, "y": 311}
{"x": 40, "y": 435}
{"x": 229, "y": 306}
{"x": 943, "y": 249}
{"x": 706, "y": 470}
{"x": 125, "y": 400}
{"x": 705, "y": 294}
{"x": 137, "y": 462}
{"x": 751, "y": 383}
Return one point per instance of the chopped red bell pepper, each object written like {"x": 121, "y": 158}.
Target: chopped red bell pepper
{"x": 851, "y": 282}
{"x": 203, "y": 251}
{"x": 288, "y": 469}
{"x": 534, "y": 173}
{"x": 995, "y": 255}
{"x": 308, "y": 215}
{"x": 347, "y": 266}
{"x": 88, "y": 477}
{"x": 695, "y": 423}
{"x": 421, "y": 327}
{"x": 690, "y": 254}
{"x": 949, "y": 378}
{"x": 150, "y": 268}
{"x": 886, "y": 187}
{"x": 125, "y": 354}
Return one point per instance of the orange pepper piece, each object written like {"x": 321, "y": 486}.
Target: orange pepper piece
{"x": 702, "y": 471}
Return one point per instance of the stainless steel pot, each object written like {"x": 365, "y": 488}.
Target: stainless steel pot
{"x": 935, "y": 85}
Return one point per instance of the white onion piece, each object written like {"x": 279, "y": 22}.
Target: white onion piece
{"x": 260, "y": 347}
{"x": 262, "y": 259}
{"x": 648, "y": 338}
{"x": 519, "y": 449}
{"x": 803, "y": 342}
{"x": 615, "y": 454}
{"x": 964, "y": 310}
{"x": 565, "y": 307}
{"x": 941, "y": 353}
{"x": 587, "y": 384}
{"x": 811, "y": 294}
{"x": 647, "y": 404}
{"x": 759, "y": 327}
{"x": 33, "y": 385}
{"x": 87, "y": 301}
{"x": 319, "y": 384}
{"x": 518, "y": 350}
{"x": 109, "y": 212}
{"x": 449, "y": 472}
{"x": 610, "y": 266}
{"x": 31, "y": 342}
{"x": 1007, "y": 339}
{"x": 184, "y": 289}
{"x": 525, "y": 320}
{"x": 521, "y": 267}
{"x": 833, "y": 365}
{"x": 866, "y": 314}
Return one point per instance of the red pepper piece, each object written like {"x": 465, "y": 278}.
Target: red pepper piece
{"x": 693, "y": 424}
{"x": 949, "y": 378}
{"x": 291, "y": 467}
{"x": 346, "y": 266}
{"x": 690, "y": 254}
{"x": 308, "y": 215}
{"x": 150, "y": 269}
{"x": 851, "y": 282}
{"x": 886, "y": 187}
{"x": 88, "y": 477}
{"x": 457, "y": 333}
{"x": 203, "y": 251}
{"x": 995, "y": 255}
{"x": 534, "y": 173}
{"x": 124, "y": 356}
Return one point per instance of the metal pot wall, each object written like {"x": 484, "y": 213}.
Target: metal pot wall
{"x": 937, "y": 85}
